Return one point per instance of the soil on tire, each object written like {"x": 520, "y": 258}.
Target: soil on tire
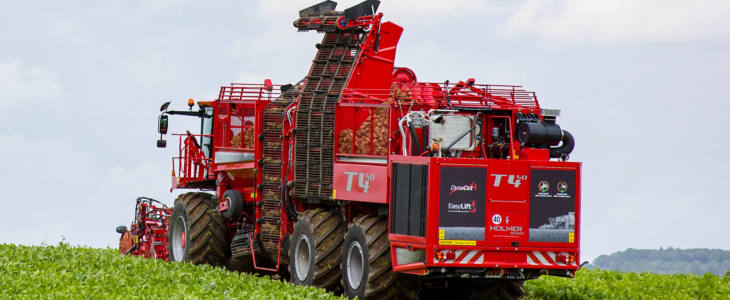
{"x": 328, "y": 230}
{"x": 206, "y": 232}
{"x": 382, "y": 282}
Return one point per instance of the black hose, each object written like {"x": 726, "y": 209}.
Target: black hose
{"x": 415, "y": 142}
{"x": 565, "y": 148}
{"x": 288, "y": 206}
{"x": 426, "y": 146}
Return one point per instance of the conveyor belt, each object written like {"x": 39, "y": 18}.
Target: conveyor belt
{"x": 315, "y": 124}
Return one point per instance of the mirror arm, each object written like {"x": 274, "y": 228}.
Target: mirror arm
{"x": 185, "y": 113}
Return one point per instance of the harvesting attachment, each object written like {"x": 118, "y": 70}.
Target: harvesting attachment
{"x": 147, "y": 236}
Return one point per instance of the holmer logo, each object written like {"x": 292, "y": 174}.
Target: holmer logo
{"x": 463, "y": 207}
{"x": 467, "y": 187}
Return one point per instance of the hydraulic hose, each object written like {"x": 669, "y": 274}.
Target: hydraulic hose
{"x": 415, "y": 142}
{"x": 426, "y": 146}
{"x": 288, "y": 206}
{"x": 402, "y": 136}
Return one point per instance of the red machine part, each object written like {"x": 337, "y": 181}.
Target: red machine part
{"x": 147, "y": 236}
{"x": 461, "y": 187}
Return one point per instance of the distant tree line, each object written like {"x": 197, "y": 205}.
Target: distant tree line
{"x": 666, "y": 261}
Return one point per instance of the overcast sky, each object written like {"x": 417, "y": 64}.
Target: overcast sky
{"x": 642, "y": 86}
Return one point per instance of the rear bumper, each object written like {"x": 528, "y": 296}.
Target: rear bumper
{"x": 503, "y": 258}
{"x": 418, "y": 259}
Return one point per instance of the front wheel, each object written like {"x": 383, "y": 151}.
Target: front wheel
{"x": 367, "y": 271}
{"x": 197, "y": 232}
{"x": 315, "y": 247}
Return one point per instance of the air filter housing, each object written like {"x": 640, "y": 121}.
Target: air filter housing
{"x": 539, "y": 134}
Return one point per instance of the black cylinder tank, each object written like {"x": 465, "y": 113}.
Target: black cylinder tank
{"x": 545, "y": 134}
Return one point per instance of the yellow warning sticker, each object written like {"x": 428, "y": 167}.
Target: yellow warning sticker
{"x": 571, "y": 237}
{"x": 457, "y": 243}
{"x": 441, "y": 234}
{"x": 334, "y": 194}
{"x": 253, "y": 195}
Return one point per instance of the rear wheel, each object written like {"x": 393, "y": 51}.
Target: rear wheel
{"x": 315, "y": 247}
{"x": 197, "y": 232}
{"x": 367, "y": 271}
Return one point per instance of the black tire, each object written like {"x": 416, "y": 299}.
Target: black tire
{"x": 205, "y": 236}
{"x": 367, "y": 271}
{"x": 235, "y": 200}
{"x": 315, "y": 247}
{"x": 504, "y": 289}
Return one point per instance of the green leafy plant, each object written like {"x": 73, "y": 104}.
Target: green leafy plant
{"x": 599, "y": 284}
{"x": 64, "y": 271}
{"x": 77, "y": 272}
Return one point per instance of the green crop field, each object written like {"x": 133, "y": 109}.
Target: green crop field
{"x": 77, "y": 272}
{"x": 74, "y": 272}
{"x": 598, "y": 284}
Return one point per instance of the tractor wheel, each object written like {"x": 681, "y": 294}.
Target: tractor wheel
{"x": 315, "y": 247}
{"x": 197, "y": 232}
{"x": 497, "y": 290}
{"x": 367, "y": 271}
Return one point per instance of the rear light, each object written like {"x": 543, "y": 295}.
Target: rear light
{"x": 565, "y": 259}
{"x": 444, "y": 255}
{"x": 561, "y": 258}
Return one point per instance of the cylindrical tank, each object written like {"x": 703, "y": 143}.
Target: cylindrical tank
{"x": 532, "y": 133}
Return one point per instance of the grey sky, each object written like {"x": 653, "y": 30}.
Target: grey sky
{"x": 641, "y": 84}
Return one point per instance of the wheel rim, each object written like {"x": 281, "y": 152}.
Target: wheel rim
{"x": 302, "y": 255}
{"x": 178, "y": 238}
{"x": 355, "y": 263}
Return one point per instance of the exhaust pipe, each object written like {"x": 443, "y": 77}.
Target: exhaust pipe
{"x": 567, "y": 145}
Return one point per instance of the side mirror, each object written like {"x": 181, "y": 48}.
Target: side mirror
{"x": 121, "y": 229}
{"x": 161, "y": 143}
{"x": 162, "y": 124}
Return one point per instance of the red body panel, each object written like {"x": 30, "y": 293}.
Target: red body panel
{"x": 496, "y": 203}
{"x": 506, "y": 199}
{"x": 361, "y": 182}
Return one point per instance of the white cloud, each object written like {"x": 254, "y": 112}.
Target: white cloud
{"x": 54, "y": 190}
{"x": 20, "y": 84}
{"x": 621, "y": 21}
{"x": 428, "y": 9}
{"x": 48, "y": 179}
